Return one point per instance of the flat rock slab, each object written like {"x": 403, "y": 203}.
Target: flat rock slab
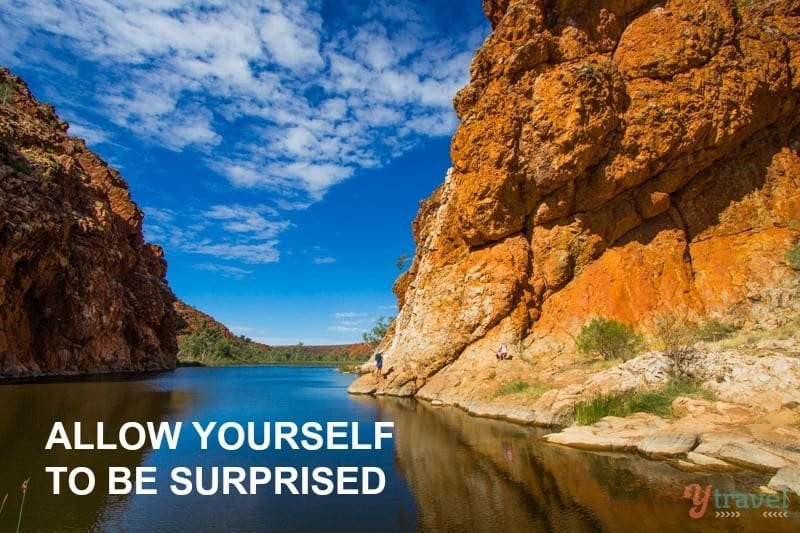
{"x": 584, "y": 438}
{"x": 514, "y": 414}
{"x": 610, "y": 433}
{"x": 742, "y": 451}
{"x": 787, "y": 478}
{"x": 708, "y": 463}
{"x": 664, "y": 445}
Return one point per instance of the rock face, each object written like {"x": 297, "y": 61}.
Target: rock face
{"x": 80, "y": 291}
{"x": 191, "y": 320}
{"x": 621, "y": 159}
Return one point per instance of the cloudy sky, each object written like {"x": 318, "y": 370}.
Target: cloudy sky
{"x": 279, "y": 148}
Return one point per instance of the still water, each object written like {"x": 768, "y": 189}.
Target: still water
{"x": 444, "y": 470}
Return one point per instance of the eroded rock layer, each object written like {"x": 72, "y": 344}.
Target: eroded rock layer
{"x": 80, "y": 290}
{"x": 624, "y": 159}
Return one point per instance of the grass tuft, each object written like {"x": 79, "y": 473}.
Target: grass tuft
{"x": 531, "y": 390}
{"x": 511, "y": 387}
{"x": 789, "y": 330}
{"x": 22, "y": 503}
{"x": 657, "y": 402}
{"x": 714, "y": 331}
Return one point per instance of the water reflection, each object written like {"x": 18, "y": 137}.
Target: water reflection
{"x": 447, "y": 471}
{"x": 470, "y": 474}
{"x": 27, "y": 415}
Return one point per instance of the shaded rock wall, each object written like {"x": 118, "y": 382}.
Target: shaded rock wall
{"x": 80, "y": 291}
{"x": 616, "y": 158}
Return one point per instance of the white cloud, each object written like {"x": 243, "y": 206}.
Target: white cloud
{"x": 89, "y": 133}
{"x": 231, "y": 232}
{"x": 350, "y": 323}
{"x": 224, "y": 270}
{"x": 287, "y": 101}
{"x": 324, "y": 260}
{"x": 348, "y": 314}
{"x": 253, "y": 253}
{"x": 244, "y": 219}
{"x": 344, "y": 329}
{"x": 291, "y": 45}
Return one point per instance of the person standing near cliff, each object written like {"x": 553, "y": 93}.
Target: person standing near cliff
{"x": 379, "y": 365}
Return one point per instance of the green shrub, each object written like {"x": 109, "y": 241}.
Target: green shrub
{"x": 670, "y": 333}
{"x": 609, "y": 339}
{"x": 686, "y": 387}
{"x": 512, "y": 387}
{"x": 675, "y": 339}
{"x": 378, "y": 331}
{"x": 793, "y": 257}
{"x": 714, "y": 331}
{"x": 657, "y": 402}
{"x": 590, "y": 411}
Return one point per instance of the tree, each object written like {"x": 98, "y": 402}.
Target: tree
{"x": 7, "y": 89}
{"x": 378, "y": 331}
{"x": 676, "y": 339}
{"x": 609, "y": 339}
{"x": 402, "y": 260}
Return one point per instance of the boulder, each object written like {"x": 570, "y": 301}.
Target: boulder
{"x": 663, "y": 445}
{"x": 787, "y": 478}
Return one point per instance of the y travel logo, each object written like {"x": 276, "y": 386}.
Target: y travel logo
{"x": 733, "y": 504}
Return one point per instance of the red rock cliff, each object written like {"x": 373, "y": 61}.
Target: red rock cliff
{"x": 616, "y": 158}
{"x": 80, "y": 291}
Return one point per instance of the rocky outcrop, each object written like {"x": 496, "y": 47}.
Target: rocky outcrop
{"x": 691, "y": 445}
{"x": 622, "y": 159}
{"x": 191, "y": 320}
{"x": 80, "y": 290}
{"x": 787, "y": 478}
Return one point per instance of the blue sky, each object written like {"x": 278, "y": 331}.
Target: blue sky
{"x": 279, "y": 148}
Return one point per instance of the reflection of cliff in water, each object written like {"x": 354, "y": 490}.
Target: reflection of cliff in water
{"x": 472, "y": 474}
{"x": 26, "y": 417}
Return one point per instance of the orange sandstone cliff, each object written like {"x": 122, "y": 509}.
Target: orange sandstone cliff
{"x": 624, "y": 159}
{"x": 80, "y": 290}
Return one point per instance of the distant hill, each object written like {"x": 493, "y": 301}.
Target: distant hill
{"x": 357, "y": 350}
{"x": 190, "y": 320}
{"x": 204, "y": 340}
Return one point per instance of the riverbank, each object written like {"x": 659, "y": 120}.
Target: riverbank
{"x": 748, "y": 416}
{"x": 496, "y": 476}
{"x": 342, "y": 365}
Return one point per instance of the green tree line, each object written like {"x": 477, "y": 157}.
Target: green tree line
{"x": 208, "y": 347}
